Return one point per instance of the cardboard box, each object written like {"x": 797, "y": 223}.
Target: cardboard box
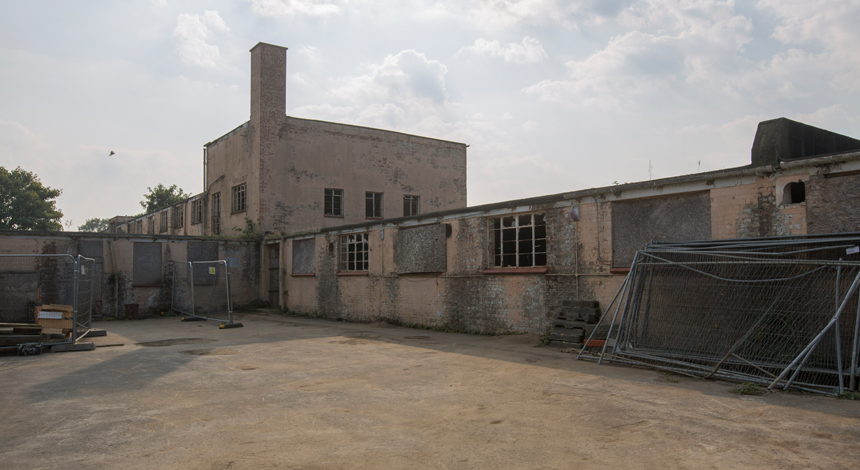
{"x": 61, "y": 317}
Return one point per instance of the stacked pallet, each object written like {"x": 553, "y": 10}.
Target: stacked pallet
{"x": 575, "y": 321}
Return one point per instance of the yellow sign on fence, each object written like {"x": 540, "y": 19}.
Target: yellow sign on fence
{"x": 211, "y": 270}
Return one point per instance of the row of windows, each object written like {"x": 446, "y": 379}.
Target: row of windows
{"x": 333, "y": 204}
{"x": 515, "y": 242}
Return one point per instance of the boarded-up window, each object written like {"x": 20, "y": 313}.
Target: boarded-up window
{"x": 303, "y": 256}
{"x": 203, "y": 251}
{"x": 421, "y": 250}
{"x": 667, "y": 218}
{"x": 147, "y": 264}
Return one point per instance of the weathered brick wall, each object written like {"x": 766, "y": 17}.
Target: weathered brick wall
{"x": 115, "y": 286}
{"x": 833, "y": 203}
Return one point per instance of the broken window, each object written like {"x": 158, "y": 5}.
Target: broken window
{"x": 151, "y": 224}
{"x": 138, "y": 227}
{"x": 162, "y": 226}
{"x": 197, "y": 211}
{"x": 216, "y": 213}
{"x": 373, "y": 205}
{"x": 178, "y": 216}
{"x": 353, "y": 252}
{"x": 239, "y": 198}
{"x": 333, "y": 202}
{"x": 410, "y": 205}
{"x": 794, "y": 193}
{"x": 518, "y": 241}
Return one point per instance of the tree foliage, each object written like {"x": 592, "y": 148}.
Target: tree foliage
{"x": 94, "y": 225}
{"x": 161, "y": 196}
{"x": 25, "y": 204}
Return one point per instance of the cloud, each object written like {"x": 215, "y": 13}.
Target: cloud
{"x": 397, "y": 93}
{"x": 192, "y": 33}
{"x": 530, "y": 125}
{"x": 667, "y": 45}
{"x": 530, "y": 50}
{"x": 291, "y": 8}
{"x": 828, "y": 28}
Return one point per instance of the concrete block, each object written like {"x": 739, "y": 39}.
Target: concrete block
{"x": 73, "y": 347}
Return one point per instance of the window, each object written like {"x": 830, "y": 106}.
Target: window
{"x": 410, "y": 205}
{"x": 519, "y": 241}
{"x": 152, "y": 224}
{"x": 178, "y": 216}
{"x": 216, "y": 213}
{"x": 353, "y": 252}
{"x": 162, "y": 226}
{"x": 138, "y": 227}
{"x": 197, "y": 211}
{"x": 239, "y": 198}
{"x": 373, "y": 205}
{"x": 334, "y": 202}
{"x": 794, "y": 193}
{"x": 147, "y": 264}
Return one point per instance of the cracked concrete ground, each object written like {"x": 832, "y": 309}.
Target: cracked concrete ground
{"x": 302, "y": 393}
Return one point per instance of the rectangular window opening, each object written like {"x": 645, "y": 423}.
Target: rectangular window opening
{"x": 373, "y": 205}
{"x": 410, "y": 205}
{"x": 239, "y": 198}
{"x": 216, "y": 213}
{"x": 333, "y": 202}
{"x": 354, "y": 252}
{"x": 518, "y": 242}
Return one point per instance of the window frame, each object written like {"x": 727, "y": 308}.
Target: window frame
{"x": 501, "y": 259}
{"x": 239, "y": 198}
{"x": 411, "y": 199}
{"x": 151, "y": 224}
{"x": 216, "y": 213}
{"x": 333, "y": 195}
{"x": 361, "y": 246}
{"x": 197, "y": 211}
{"x": 371, "y": 195}
{"x": 163, "y": 222}
{"x": 179, "y": 216}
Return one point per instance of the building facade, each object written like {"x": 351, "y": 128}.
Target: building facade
{"x": 281, "y": 174}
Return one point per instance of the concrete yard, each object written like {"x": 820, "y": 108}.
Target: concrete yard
{"x": 314, "y": 394}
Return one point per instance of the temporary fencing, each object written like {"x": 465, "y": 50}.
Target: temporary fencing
{"x": 54, "y": 291}
{"x": 778, "y": 311}
{"x": 202, "y": 289}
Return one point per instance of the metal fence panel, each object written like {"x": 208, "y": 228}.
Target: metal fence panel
{"x": 205, "y": 295}
{"x": 777, "y": 311}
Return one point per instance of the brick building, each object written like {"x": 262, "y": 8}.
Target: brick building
{"x": 282, "y": 174}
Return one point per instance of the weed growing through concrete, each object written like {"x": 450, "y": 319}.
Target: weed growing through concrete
{"x": 850, "y": 395}
{"x": 544, "y": 338}
{"x": 748, "y": 388}
{"x": 670, "y": 377}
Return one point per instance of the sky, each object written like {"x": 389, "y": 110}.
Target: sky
{"x": 551, "y": 96}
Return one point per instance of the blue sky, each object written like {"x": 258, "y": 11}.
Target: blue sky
{"x": 551, "y": 96}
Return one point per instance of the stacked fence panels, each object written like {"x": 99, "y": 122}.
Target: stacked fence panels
{"x": 780, "y": 311}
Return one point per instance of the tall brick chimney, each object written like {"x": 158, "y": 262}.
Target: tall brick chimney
{"x": 268, "y": 112}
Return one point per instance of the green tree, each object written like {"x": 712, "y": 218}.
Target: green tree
{"x": 94, "y": 225}
{"x": 25, "y": 204}
{"x": 161, "y": 196}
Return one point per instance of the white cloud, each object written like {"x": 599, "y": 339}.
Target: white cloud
{"x": 193, "y": 31}
{"x": 291, "y": 8}
{"x": 829, "y": 27}
{"x": 397, "y": 93}
{"x": 669, "y": 44}
{"x": 530, "y": 125}
{"x": 530, "y": 50}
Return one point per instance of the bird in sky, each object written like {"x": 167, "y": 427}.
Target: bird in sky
{"x": 112, "y": 153}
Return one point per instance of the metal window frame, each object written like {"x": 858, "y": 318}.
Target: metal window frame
{"x": 333, "y": 195}
{"x": 361, "y": 245}
{"x": 497, "y": 259}
{"x": 371, "y": 195}
{"x": 414, "y": 201}
{"x": 239, "y": 198}
{"x": 163, "y": 222}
